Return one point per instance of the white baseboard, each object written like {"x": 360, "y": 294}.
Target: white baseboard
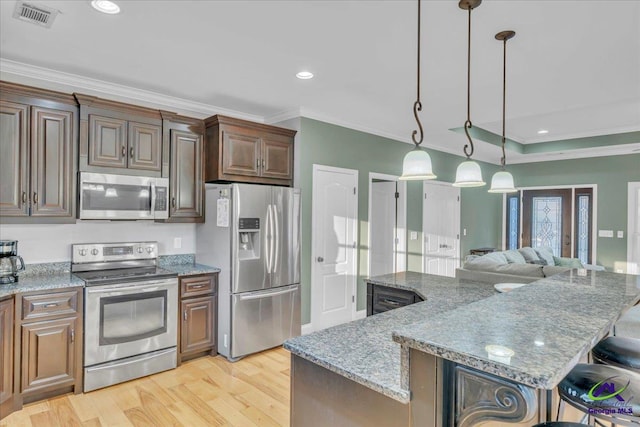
{"x": 306, "y": 329}
{"x": 361, "y": 314}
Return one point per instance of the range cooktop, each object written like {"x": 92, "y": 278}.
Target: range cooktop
{"x": 124, "y": 275}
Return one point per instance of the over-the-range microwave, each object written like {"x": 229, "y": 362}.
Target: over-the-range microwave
{"x": 107, "y": 196}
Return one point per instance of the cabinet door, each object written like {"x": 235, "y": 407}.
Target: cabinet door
{"x": 145, "y": 146}
{"x": 6, "y": 350}
{"x": 14, "y": 167}
{"x": 197, "y": 332}
{"x": 107, "y": 142}
{"x": 51, "y": 162}
{"x": 240, "y": 152}
{"x": 186, "y": 185}
{"x": 48, "y": 354}
{"x": 277, "y": 157}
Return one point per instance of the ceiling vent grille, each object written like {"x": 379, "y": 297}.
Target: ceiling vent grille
{"x": 36, "y": 14}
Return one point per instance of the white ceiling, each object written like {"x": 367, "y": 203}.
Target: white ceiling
{"x": 573, "y": 67}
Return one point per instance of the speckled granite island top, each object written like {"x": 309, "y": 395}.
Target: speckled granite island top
{"x": 364, "y": 351}
{"x": 548, "y": 324}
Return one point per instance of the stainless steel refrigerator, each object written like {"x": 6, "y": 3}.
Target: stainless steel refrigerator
{"x": 252, "y": 233}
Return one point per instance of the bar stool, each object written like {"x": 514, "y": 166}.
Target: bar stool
{"x": 618, "y": 351}
{"x": 559, "y": 424}
{"x": 600, "y": 391}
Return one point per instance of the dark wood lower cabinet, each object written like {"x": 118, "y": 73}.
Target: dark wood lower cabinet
{"x": 198, "y": 314}
{"x": 383, "y": 298}
{"x": 6, "y": 357}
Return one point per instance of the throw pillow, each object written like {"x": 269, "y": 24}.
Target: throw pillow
{"x": 514, "y": 257}
{"x": 529, "y": 254}
{"x": 546, "y": 254}
{"x": 567, "y": 262}
{"x": 495, "y": 257}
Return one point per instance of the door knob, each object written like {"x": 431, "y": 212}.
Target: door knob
{"x": 320, "y": 259}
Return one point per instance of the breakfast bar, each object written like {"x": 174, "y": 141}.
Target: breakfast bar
{"x": 467, "y": 355}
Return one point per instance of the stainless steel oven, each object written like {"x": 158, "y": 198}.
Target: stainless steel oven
{"x": 131, "y": 308}
{"x": 107, "y": 196}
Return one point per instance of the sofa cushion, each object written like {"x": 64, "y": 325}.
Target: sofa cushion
{"x": 568, "y": 262}
{"x": 514, "y": 257}
{"x": 529, "y": 254}
{"x": 545, "y": 253}
{"x": 529, "y": 270}
{"x": 550, "y": 270}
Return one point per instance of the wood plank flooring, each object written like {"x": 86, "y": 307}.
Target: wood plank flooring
{"x": 208, "y": 391}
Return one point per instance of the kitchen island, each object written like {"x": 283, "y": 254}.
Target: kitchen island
{"x": 353, "y": 374}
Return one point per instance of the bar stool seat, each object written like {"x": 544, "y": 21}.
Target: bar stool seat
{"x": 600, "y": 390}
{"x": 559, "y": 424}
{"x": 618, "y": 351}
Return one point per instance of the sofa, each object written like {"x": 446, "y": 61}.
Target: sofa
{"x": 523, "y": 265}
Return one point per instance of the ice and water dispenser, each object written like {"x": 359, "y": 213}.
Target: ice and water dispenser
{"x": 249, "y": 238}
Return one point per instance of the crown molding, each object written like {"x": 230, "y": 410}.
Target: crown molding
{"x": 30, "y": 74}
{"x": 612, "y": 150}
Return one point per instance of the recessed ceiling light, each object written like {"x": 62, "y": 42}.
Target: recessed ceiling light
{"x": 304, "y": 75}
{"x": 542, "y": 131}
{"x": 105, "y": 6}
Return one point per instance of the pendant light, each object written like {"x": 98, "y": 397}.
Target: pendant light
{"x": 417, "y": 162}
{"x": 502, "y": 181}
{"x": 468, "y": 173}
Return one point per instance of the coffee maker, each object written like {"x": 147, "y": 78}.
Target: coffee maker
{"x": 10, "y": 262}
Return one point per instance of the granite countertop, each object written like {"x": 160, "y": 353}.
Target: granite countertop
{"x": 364, "y": 350}
{"x": 548, "y": 324}
{"x": 57, "y": 275}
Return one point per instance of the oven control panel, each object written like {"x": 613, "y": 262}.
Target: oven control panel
{"x": 105, "y": 252}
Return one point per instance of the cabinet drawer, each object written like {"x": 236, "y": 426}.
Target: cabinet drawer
{"x": 50, "y": 304}
{"x": 198, "y": 285}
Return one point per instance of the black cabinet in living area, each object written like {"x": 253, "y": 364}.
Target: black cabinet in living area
{"x": 383, "y": 298}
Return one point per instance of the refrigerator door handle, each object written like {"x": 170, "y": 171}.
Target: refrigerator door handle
{"x": 267, "y": 240}
{"x": 267, "y": 295}
{"x": 276, "y": 239}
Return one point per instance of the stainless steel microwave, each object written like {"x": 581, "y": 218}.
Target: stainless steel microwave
{"x": 106, "y": 196}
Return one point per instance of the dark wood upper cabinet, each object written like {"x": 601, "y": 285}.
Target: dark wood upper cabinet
{"x": 119, "y": 138}
{"x": 14, "y": 170}
{"x": 183, "y": 139}
{"x": 242, "y": 151}
{"x": 38, "y": 135}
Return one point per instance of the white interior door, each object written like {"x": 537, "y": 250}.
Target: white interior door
{"x": 633, "y": 229}
{"x": 382, "y": 238}
{"x": 441, "y": 228}
{"x": 334, "y": 236}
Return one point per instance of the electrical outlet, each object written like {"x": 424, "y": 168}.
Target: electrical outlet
{"x": 620, "y": 234}
{"x": 177, "y": 242}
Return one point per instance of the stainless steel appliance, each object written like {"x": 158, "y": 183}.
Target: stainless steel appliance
{"x": 106, "y": 196}
{"x": 252, "y": 232}
{"x": 131, "y": 306}
{"x": 9, "y": 260}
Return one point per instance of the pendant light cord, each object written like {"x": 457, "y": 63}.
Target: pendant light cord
{"x": 503, "y": 161}
{"x": 468, "y": 125}
{"x": 417, "y": 106}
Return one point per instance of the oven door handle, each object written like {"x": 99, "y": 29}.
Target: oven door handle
{"x": 121, "y": 289}
{"x": 137, "y": 360}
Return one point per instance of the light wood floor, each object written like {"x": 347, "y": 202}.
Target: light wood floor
{"x": 208, "y": 391}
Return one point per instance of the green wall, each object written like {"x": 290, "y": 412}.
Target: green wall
{"x": 610, "y": 174}
{"x": 325, "y": 144}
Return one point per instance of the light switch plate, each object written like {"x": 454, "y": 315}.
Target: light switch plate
{"x": 620, "y": 234}
{"x": 605, "y": 233}
{"x": 177, "y": 242}
{"x": 413, "y": 235}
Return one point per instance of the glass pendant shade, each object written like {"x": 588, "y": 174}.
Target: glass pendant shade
{"x": 469, "y": 174}
{"x": 502, "y": 182}
{"x": 417, "y": 166}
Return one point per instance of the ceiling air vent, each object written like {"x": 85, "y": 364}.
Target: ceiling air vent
{"x": 36, "y": 14}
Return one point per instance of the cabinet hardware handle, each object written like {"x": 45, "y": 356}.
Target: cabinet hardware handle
{"x": 51, "y": 305}
{"x": 73, "y": 335}
{"x": 198, "y": 286}
{"x": 263, "y": 163}
{"x": 131, "y": 152}
{"x": 124, "y": 151}
{"x": 185, "y": 315}
{"x": 258, "y": 163}
{"x": 24, "y": 197}
{"x": 173, "y": 202}
{"x": 35, "y": 197}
